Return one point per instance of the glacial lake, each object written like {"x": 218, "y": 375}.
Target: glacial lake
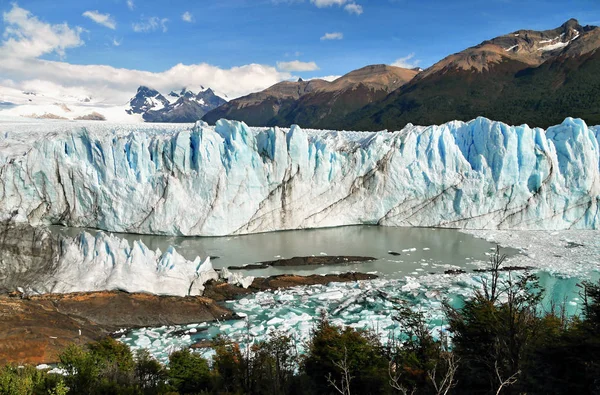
{"x": 416, "y": 276}
{"x": 422, "y": 250}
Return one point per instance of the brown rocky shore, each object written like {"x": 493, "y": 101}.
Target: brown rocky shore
{"x": 35, "y": 329}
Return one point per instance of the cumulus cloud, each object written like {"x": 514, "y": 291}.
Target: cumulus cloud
{"x": 27, "y": 38}
{"x": 407, "y": 62}
{"x": 187, "y": 17}
{"x": 296, "y": 65}
{"x": 353, "y": 8}
{"x": 151, "y": 24}
{"x": 101, "y": 19}
{"x": 332, "y": 36}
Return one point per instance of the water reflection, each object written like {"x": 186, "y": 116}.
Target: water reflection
{"x": 421, "y": 250}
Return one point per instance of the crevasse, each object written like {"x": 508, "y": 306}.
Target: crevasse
{"x": 232, "y": 179}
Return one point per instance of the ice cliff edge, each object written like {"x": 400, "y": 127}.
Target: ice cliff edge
{"x": 233, "y": 179}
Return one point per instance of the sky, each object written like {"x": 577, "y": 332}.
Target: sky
{"x": 107, "y": 48}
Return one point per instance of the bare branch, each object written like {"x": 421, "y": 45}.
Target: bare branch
{"x": 447, "y": 382}
{"x": 509, "y": 381}
{"x": 342, "y": 365}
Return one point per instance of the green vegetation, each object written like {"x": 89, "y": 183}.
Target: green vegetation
{"x": 510, "y": 91}
{"x": 501, "y": 344}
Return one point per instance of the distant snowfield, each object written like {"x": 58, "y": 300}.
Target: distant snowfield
{"x": 231, "y": 179}
{"x": 33, "y": 105}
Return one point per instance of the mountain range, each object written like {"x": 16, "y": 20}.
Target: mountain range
{"x": 527, "y": 76}
{"x": 314, "y": 103}
{"x": 183, "y": 106}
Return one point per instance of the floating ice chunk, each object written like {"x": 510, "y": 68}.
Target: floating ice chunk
{"x": 236, "y": 278}
{"x": 274, "y": 321}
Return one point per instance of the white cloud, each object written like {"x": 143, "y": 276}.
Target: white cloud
{"x": 326, "y": 78}
{"x": 353, "y": 8}
{"x": 349, "y": 6}
{"x": 101, "y": 19}
{"x": 332, "y": 36}
{"x": 407, "y": 62}
{"x": 296, "y": 65}
{"x": 130, "y": 5}
{"x": 116, "y": 42}
{"x": 28, "y": 37}
{"x": 150, "y": 24}
{"x": 187, "y": 17}
{"x": 328, "y": 3}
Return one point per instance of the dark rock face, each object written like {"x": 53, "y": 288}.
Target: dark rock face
{"x": 188, "y": 107}
{"x": 145, "y": 100}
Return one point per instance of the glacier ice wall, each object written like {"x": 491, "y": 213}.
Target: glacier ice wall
{"x": 36, "y": 261}
{"x": 232, "y": 179}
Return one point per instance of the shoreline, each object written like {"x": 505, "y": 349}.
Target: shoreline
{"x": 35, "y": 329}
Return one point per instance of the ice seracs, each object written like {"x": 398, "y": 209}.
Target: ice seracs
{"x": 101, "y": 261}
{"x": 232, "y": 179}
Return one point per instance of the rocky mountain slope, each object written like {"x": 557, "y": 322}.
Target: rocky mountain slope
{"x": 314, "y": 103}
{"x": 533, "y": 77}
{"x": 177, "y": 107}
{"x": 527, "y": 76}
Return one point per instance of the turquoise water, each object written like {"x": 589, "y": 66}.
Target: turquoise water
{"x": 365, "y": 305}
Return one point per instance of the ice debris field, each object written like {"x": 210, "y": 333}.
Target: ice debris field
{"x": 232, "y": 179}
{"x": 368, "y": 305}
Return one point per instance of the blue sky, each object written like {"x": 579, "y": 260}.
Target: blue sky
{"x": 152, "y": 35}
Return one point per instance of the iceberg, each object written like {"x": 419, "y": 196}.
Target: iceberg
{"x": 233, "y": 179}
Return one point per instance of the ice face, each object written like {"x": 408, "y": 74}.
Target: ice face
{"x": 232, "y": 179}
{"x": 100, "y": 261}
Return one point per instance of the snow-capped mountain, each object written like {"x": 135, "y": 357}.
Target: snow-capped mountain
{"x": 146, "y": 99}
{"x": 526, "y": 76}
{"x": 147, "y": 105}
{"x": 176, "y": 107}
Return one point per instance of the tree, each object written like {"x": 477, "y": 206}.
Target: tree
{"x": 494, "y": 330}
{"x": 360, "y": 352}
{"x": 188, "y": 372}
{"x": 273, "y": 364}
{"x": 419, "y": 364}
{"x": 228, "y": 366}
{"x": 149, "y": 373}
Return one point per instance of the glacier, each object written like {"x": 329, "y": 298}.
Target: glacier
{"x": 233, "y": 179}
{"x": 36, "y": 261}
